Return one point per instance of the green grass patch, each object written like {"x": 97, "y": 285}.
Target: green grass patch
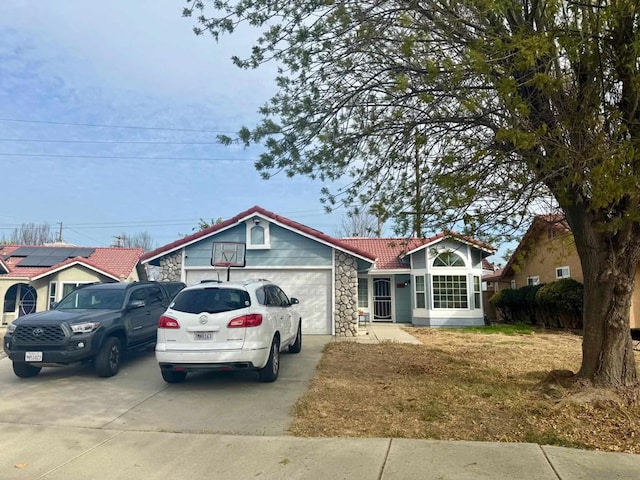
{"x": 505, "y": 329}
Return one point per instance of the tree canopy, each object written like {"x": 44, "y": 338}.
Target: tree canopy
{"x": 463, "y": 114}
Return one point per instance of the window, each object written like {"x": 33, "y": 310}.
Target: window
{"x": 154, "y": 295}
{"x": 52, "y": 293}
{"x": 420, "y": 291}
{"x": 363, "y": 293}
{"x": 513, "y": 284}
{"x": 284, "y": 300}
{"x": 257, "y": 236}
{"x": 67, "y": 288}
{"x": 448, "y": 259}
{"x": 533, "y": 280}
{"x": 563, "y": 272}
{"x": 450, "y": 291}
{"x": 476, "y": 292}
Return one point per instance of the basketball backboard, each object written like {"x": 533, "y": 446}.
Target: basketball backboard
{"x": 228, "y": 254}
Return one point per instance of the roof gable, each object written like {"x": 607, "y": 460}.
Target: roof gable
{"x": 116, "y": 263}
{"x": 555, "y": 224}
{"x": 387, "y": 253}
{"x": 267, "y": 215}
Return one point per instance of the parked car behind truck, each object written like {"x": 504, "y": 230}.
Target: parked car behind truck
{"x": 95, "y": 323}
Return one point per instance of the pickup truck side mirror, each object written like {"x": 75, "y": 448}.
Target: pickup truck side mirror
{"x": 135, "y": 304}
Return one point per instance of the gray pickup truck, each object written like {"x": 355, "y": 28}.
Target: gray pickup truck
{"x": 95, "y": 323}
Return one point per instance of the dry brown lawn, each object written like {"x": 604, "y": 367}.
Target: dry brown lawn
{"x": 463, "y": 385}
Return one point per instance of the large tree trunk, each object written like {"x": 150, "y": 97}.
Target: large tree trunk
{"x": 609, "y": 262}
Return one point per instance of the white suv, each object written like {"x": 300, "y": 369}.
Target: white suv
{"x": 228, "y": 325}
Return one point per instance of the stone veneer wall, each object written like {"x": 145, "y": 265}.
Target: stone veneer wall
{"x": 346, "y": 316}
{"x": 171, "y": 267}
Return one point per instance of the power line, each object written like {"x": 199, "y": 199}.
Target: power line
{"x": 157, "y": 223}
{"x": 105, "y": 141}
{"x": 114, "y": 126}
{"x": 113, "y": 157}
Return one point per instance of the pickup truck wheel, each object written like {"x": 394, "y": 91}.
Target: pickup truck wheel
{"x": 108, "y": 358}
{"x": 173, "y": 377}
{"x": 269, "y": 373}
{"x": 296, "y": 346}
{"x": 25, "y": 370}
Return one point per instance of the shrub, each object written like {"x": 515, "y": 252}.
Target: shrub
{"x": 517, "y": 305}
{"x": 560, "y": 304}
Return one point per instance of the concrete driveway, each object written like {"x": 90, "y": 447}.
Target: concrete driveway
{"x": 138, "y": 399}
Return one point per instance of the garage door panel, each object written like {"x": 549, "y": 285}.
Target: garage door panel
{"x": 311, "y": 287}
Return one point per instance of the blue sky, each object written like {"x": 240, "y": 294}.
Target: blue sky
{"x": 74, "y": 72}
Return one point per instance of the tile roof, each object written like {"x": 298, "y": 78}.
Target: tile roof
{"x": 386, "y": 252}
{"x": 241, "y": 217}
{"x": 390, "y": 252}
{"x": 113, "y": 262}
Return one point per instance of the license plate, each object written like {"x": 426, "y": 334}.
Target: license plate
{"x": 203, "y": 336}
{"x": 32, "y": 356}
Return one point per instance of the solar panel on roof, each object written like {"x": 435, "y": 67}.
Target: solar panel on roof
{"x": 49, "y": 256}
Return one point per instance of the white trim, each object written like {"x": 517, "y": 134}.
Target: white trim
{"x": 562, "y": 268}
{"x": 249, "y": 226}
{"x": 73, "y": 264}
{"x": 258, "y": 267}
{"x": 333, "y": 293}
{"x": 445, "y": 237}
{"x": 395, "y": 271}
{"x": 268, "y": 219}
{"x": 183, "y": 270}
{"x": 535, "y": 280}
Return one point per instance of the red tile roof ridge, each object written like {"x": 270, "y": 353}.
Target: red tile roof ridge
{"x": 242, "y": 215}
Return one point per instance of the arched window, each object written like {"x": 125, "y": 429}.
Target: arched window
{"x": 257, "y": 235}
{"x": 448, "y": 259}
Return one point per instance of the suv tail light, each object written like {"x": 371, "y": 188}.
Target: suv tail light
{"x": 168, "y": 322}
{"x": 251, "y": 320}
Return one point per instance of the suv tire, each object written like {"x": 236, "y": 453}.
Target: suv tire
{"x": 170, "y": 376}
{"x": 25, "y": 370}
{"x": 296, "y": 346}
{"x": 108, "y": 358}
{"x": 269, "y": 373}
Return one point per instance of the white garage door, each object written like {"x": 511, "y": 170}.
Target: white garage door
{"x": 311, "y": 287}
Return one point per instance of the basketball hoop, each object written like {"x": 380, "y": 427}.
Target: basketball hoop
{"x": 227, "y": 255}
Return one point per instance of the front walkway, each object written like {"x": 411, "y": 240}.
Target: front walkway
{"x": 382, "y": 332}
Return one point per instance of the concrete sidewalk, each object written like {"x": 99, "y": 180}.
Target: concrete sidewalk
{"x": 67, "y": 453}
{"x": 73, "y": 426}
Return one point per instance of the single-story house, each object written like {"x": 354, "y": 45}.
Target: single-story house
{"x": 547, "y": 253}
{"x": 340, "y": 282}
{"x": 33, "y": 277}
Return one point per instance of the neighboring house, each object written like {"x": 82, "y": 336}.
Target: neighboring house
{"x": 547, "y": 253}
{"x": 492, "y": 282}
{"x": 433, "y": 282}
{"x": 33, "y": 277}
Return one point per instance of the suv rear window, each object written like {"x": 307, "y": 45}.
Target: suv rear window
{"x": 211, "y": 300}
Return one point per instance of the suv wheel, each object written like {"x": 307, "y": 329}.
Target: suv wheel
{"x": 108, "y": 358}
{"x": 25, "y": 370}
{"x": 296, "y": 346}
{"x": 269, "y": 373}
{"x": 173, "y": 377}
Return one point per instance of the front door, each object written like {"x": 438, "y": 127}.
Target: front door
{"x": 382, "y": 300}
